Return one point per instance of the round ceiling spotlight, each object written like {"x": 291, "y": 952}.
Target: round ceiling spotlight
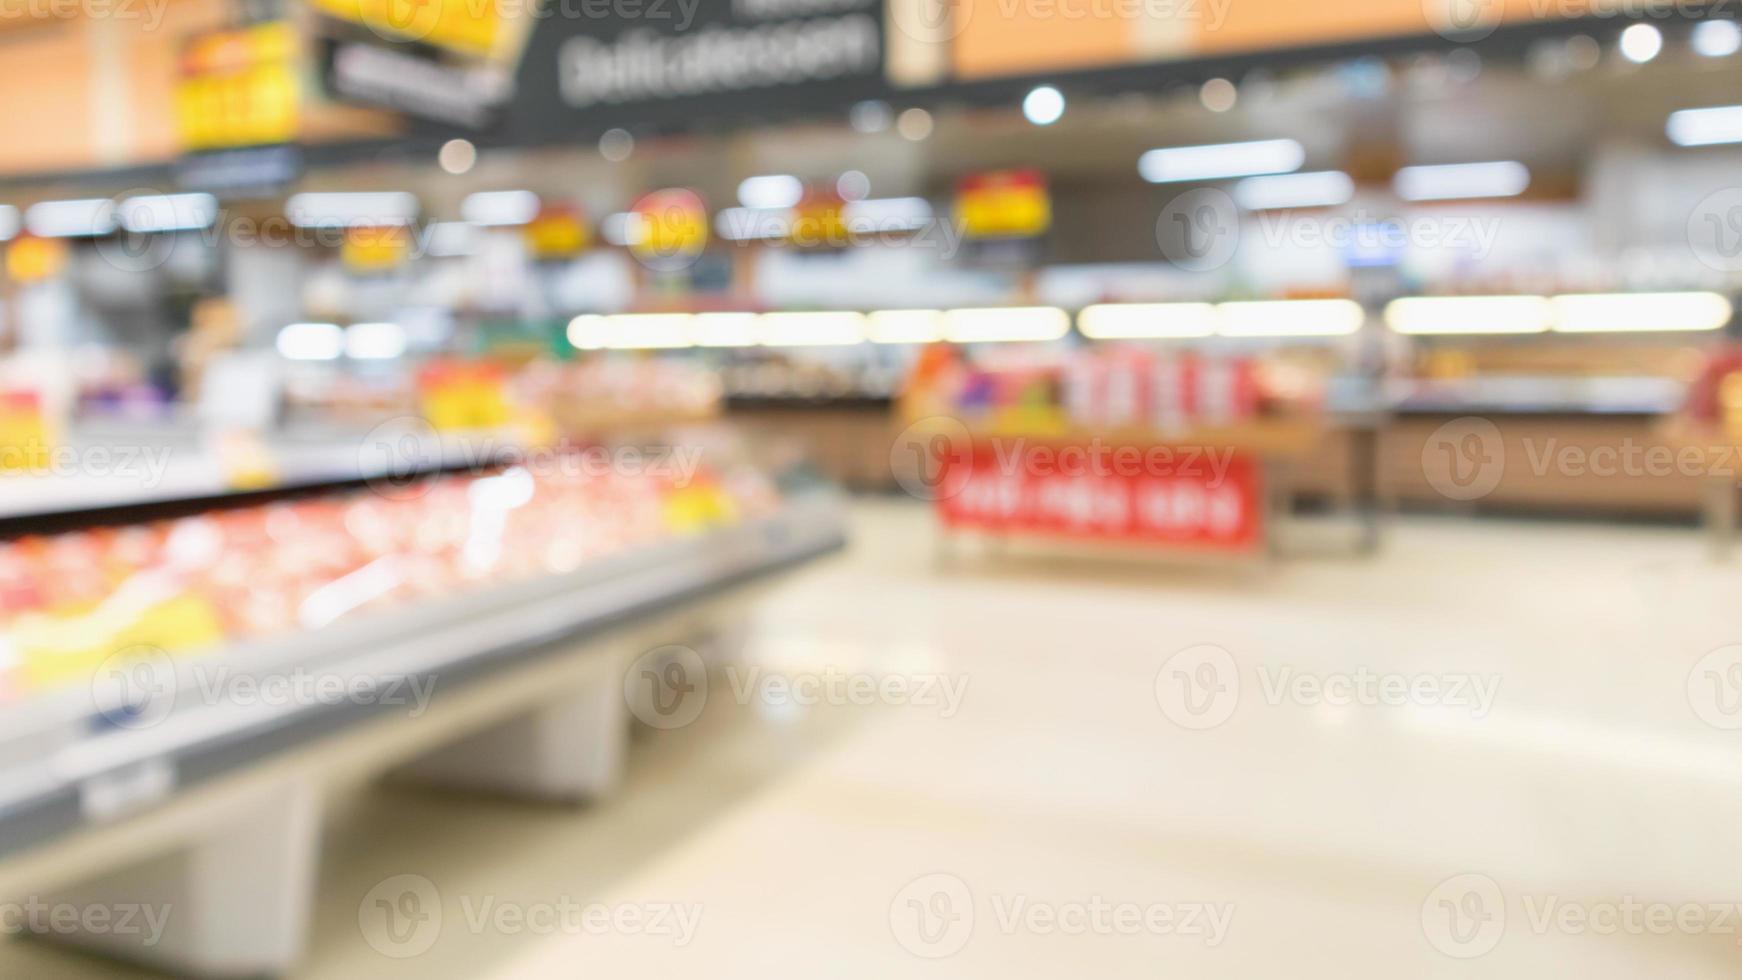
{"x": 1044, "y": 105}
{"x": 914, "y": 124}
{"x": 616, "y": 145}
{"x": 1218, "y": 95}
{"x": 1641, "y": 43}
{"x": 457, "y": 156}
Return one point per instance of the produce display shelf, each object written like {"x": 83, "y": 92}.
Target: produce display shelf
{"x": 162, "y": 469}
{"x": 64, "y": 766}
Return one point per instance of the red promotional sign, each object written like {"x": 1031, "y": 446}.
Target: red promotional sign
{"x": 1203, "y": 498}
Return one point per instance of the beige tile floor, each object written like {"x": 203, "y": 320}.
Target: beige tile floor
{"x": 1583, "y": 825}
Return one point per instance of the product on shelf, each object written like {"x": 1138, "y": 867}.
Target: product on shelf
{"x": 1112, "y": 387}
{"x": 68, "y": 601}
{"x": 596, "y": 392}
{"x": 24, "y": 441}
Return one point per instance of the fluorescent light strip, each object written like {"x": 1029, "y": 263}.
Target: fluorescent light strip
{"x": 168, "y": 212}
{"x": 724, "y": 330}
{"x": 992, "y": 325}
{"x": 1132, "y": 321}
{"x": 374, "y": 341}
{"x": 499, "y": 208}
{"x": 630, "y": 331}
{"x": 1220, "y": 160}
{"x": 770, "y": 191}
{"x": 1291, "y": 318}
{"x": 71, "y": 219}
{"x": 1705, "y": 127}
{"x": 1460, "y": 181}
{"x": 1319, "y": 189}
{"x": 351, "y": 210}
{"x": 9, "y": 222}
{"x": 1431, "y": 315}
{"x": 1639, "y": 312}
{"x": 810, "y": 329}
{"x": 907, "y": 326}
{"x": 311, "y": 342}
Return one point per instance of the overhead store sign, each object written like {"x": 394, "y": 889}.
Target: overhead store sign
{"x": 471, "y": 27}
{"x": 464, "y": 94}
{"x": 993, "y": 38}
{"x": 1004, "y": 204}
{"x": 755, "y": 47}
{"x": 451, "y": 61}
{"x": 238, "y": 88}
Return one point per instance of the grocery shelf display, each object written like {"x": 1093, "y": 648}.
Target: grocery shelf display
{"x": 443, "y": 587}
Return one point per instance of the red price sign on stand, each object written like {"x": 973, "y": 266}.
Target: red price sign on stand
{"x": 1209, "y": 499}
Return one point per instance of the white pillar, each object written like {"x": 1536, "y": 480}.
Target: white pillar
{"x": 234, "y": 904}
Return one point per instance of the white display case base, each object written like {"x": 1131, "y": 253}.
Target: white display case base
{"x": 570, "y": 749}
{"x": 234, "y": 904}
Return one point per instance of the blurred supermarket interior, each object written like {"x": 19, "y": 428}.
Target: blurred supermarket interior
{"x": 861, "y": 488}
